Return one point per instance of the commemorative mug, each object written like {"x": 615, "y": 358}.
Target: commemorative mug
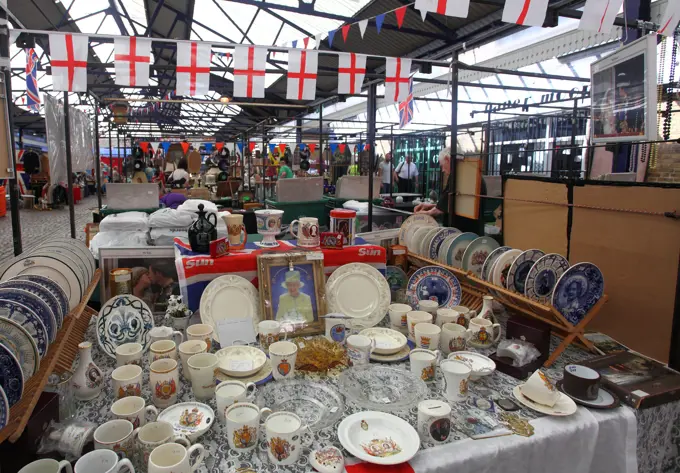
{"x": 129, "y": 354}
{"x": 359, "y": 349}
{"x": 165, "y": 333}
{"x": 284, "y": 437}
{"x": 243, "y": 425}
{"x": 175, "y": 458}
{"x": 415, "y": 317}
{"x": 429, "y": 306}
{"x": 397, "y": 314}
{"x": 187, "y": 350}
{"x": 283, "y": 356}
{"x": 268, "y": 225}
{"x": 202, "y": 367}
{"x": 481, "y": 332}
{"x": 308, "y": 231}
{"x": 337, "y": 329}
{"x": 231, "y": 392}
{"x": 155, "y": 434}
{"x": 464, "y": 315}
{"x": 269, "y": 332}
{"x": 238, "y": 236}
{"x": 133, "y": 409}
{"x": 434, "y": 421}
{"x": 423, "y": 363}
{"x": 447, "y": 316}
{"x": 201, "y": 332}
{"x": 102, "y": 461}
{"x": 454, "y": 337}
{"x": 164, "y": 382}
{"x": 115, "y": 435}
{"x": 427, "y": 335}
{"x": 127, "y": 381}
{"x": 162, "y": 349}
{"x": 47, "y": 465}
{"x": 456, "y": 376}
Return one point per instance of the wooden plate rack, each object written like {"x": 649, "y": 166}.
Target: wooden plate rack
{"x": 59, "y": 357}
{"x": 474, "y": 288}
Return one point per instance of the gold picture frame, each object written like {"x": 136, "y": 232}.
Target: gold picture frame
{"x": 285, "y": 292}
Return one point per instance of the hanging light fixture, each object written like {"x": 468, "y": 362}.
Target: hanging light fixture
{"x": 225, "y": 99}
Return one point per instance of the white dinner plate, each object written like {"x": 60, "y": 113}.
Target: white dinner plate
{"x": 565, "y": 406}
{"x": 481, "y": 365}
{"x": 69, "y": 255}
{"x": 387, "y": 341}
{"x": 424, "y": 246}
{"x": 417, "y": 238}
{"x": 50, "y": 268}
{"x": 80, "y": 247}
{"x": 414, "y": 220}
{"x": 229, "y": 297}
{"x": 359, "y": 291}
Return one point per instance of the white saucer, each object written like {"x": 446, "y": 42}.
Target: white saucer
{"x": 564, "y": 406}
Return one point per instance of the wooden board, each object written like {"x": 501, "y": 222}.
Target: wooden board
{"x": 468, "y": 181}
{"x": 528, "y": 225}
{"x": 194, "y": 162}
{"x": 6, "y": 169}
{"x": 638, "y": 255}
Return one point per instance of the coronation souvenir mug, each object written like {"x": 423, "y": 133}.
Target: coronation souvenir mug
{"x": 231, "y": 392}
{"x": 464, "y": 315}
{"x": 164, "y": 382}
{"x": 162, "y": 349}
{"x": 456, "y": 376}
{"x": 434, "y": 421}
{"x": 283, "y": 356}
{"x": 187, "y": 350}
{"x": 243, "y": 425}
{"x": 481, "y": 332}
{"x": 155, "y": 434}
{"x": 165, "y": 333}
{"x": 200, "y": 332}
{"x": 127, "y": 381}
{"x": 115, "y": 435}
{"x": 129, "y": 354}
{"x": 415, "y": 317}
{"x": 133, "y": 409}
{"x": 308, "y": 231}
{"x": 423, "y": 363}
{"x": 102, "y": 461}
{"x": 284, "y": 437}
{"x": 427, "y": 335}
{"x": 429, "y": 306}
{"x": 268, "y": 225}
{"x": 337, "y": 329}
{"x": 454, "y": 337}
{"x": 47, "y": 465}
{"x": 269, "y": 332}
{"x": 238, "y": 236}
{"x": 398, "y": 316}
{"x": 359, "y": 349}
{"x": 202, "y": 367}
{"x": 446, "y": 316}
{"x": 175, "y": 458}
{"x": 540, "y": 389}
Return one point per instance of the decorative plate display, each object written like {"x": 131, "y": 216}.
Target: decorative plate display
{"x": 41, "y": 292}
{"x": 29, "y": 321}
{"x": 36, "y": 304}
{"x": 80, "y": 247}
{"x": 72, "y": 253}
{"x": 229, "y": 297}
{"x": 382, "y": 388}
{"x": 564, "y": 406}
{"x": 387, "y": 341}
{"x": 476, "y": 254}
{"x": 490, "y": 260}
{"x": 413, "y": 221}
{"x": 192, "y": 419}
{"x": 316, "y": 404}
{"x": 396, "y": 278}
{"x": 359, "y": 291}
{"x": 11, "y": 377}
{"x": 54, "y": 288}
{"x": 50, "y": 268}
{"x": 424, "y": 247}
{"x": 124, "y": 319}
{"x": 22, "y": 345}
{"x": 444, "y": 247}
{"x": 379, "y": 438}
{"x": 502, "y": 267}
{"x": 577, "y": 291}
{"x": 418, "y": 236}
{"x": 436, "y": 284}
{"x": 517, "y": 275}
{"x": 438, "y": 239}
{"x": 481, "y": 365}
{"x": 69, "y": 259}
{"x": 454, "y": 255}
{"x": 4, "y": 409}
{"x": 543, "y": 277}
{"x": 606, "y": 399}
{"x": 261, "y": 377}
{"x": 240, "y": 361}
{"x": 401, "y": 355}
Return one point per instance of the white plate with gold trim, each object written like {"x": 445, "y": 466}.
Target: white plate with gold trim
{"x": 240, "y": 361}
{"x": 413, "y": 221}
{"x": 229, "y": 297}
{"x": 359, "y": 291}
{"x": 387, "y": 341}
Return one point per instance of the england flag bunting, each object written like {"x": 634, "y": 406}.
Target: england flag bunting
{"x": 132, "y": 58}
{"x": 68, "y": 59}
{"x": 525, "y": 12}
{"x": 351, "y": 72}
{"x": 457, "y": 8}
{"x": 249, "y": 66}
{"x": 193, "y": 68}
{"x": 397, "y": 77}
{"x": 670, "y": 18}
{"x": 599, "y": 15}
{"x": 302, "y": 74}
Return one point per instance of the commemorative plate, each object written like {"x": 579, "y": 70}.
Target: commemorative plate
{"x": 436, "y": 284}
{"x": 396, "y": 278}
{"x": 543, "y": 277}
{"x": 11, "y": 377}
{"x": 50, "y": 268}
{"x": 22, "y": 345}
{"x": 229, "y": 297}
{"x": 29, "y": 320}
{"x": 54, "y": 288}
{"x": 476, "y": 254}
{"x": 424, "y": 247}
{"x": 418, "y": 237}
{"x": 577, "y": 291}
{"x": 502, "y": 266}
{"x": 123, "y": 319}
{"x": 438, "y": 239}
{"x": 416, "y": 220}
{"x": 40, "y": 291}
{"x": 517, "y": 275}
{"x": 444, "y": 247}
{"x": 36, "y": 304}
{"x": 192, "y": 419}
{"x": 79, "y": 247}
{"x": 454, "y": 255}
{"x": 359, "y": 291}
{"x": 490, "y": 260}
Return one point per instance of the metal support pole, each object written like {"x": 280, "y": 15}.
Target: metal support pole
{"x": 21, "y": 138}
{"x": 120, "y": 166}
{"x": 321, "y": 150}
{"x": 393, "y": 158}
{"x": 488, "y": 144}
{"x": 454, "y": 138}
{"x": 69, "y": 166}
{"x": 110, "y": 154}
{"x": 572, "y": 150}
{"x": 265, "y": 161}
{"x": 371, "y": 109}
{"x": 97, "y": 157}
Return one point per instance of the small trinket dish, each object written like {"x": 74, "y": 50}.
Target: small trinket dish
{"x": 327, "y": 460}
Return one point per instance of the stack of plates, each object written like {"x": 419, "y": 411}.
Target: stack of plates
{"x": 411, "y": 225}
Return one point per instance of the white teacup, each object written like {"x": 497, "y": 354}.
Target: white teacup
{"x": 115, "y": 435}
{"x": 464, "y": 315}
{"x": 231, "y": 392}
{"x": 164, "y": 382}
{"x": 155, "y": 434}
{"x": 481, "y": 332}
{"x": 187, "y": 350}
{"x": 308, "y": 231}
{"x": 133, "y": 409}
{"x": 337, "y": 328}
{"x": 102, "y": 461}
{"x": 446, "y": 316}
{"x": 284, "y": 437}
{"x": 454, "y": 337}
{"x": 269, "y": 331}
{"x": 283, "y": 356}
{"x": 427, "y": 335}
{"x": 202, "y": 367}
{"x": 456, "y": 376}
{"x": 201, "y": 332}
{"x": 540, "y": 389}
{"x": 47, "y": 465}
{"x": 415, "y": 317}
{"x": 165, "y": 333}
{"x": 430, "y": 306}
{"x": 175, "y": 458}
{"x": 423, "y": 363}
{"x": 397, "y": 314}
{"x": 434, "y": 420}
{"x": 359, "y": 349}
{"x": 127, "y": 381}
{"x": 129, "y": 354}
{"x": 243, "y": 425}
{"x": 162, "y": 349}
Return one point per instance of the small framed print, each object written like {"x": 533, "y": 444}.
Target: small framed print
{"x": 292, "y": 290}
{"x": 219, "y": 247}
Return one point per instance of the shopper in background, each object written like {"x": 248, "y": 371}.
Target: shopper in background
{"x": 180, "y": 176}
{"x": 407, "y": 172}
{"x": 386, "y": 171}
{"x": 285, "y": 172}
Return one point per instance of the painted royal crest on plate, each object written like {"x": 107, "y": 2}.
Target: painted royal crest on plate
{"x": 191, "y": 418}
{"x": 381, "y": 448}
{"x": 364, "y": 425}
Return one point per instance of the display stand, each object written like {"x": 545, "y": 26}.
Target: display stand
{"x": 560, "y": 326}
{"x": 59, "y": 357}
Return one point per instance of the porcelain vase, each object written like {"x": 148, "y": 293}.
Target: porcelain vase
{"x": 88, "y": 379}
{"x": 486, "y": 312}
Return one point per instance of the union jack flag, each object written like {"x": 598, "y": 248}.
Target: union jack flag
{"x": 406, "y": 107}
{"x": 32, "y": 93}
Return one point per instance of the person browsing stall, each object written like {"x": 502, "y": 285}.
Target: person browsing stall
{"x": 386, "y": 171}
{"x": 285, "y": 172}
{"x": 180, "y": 176}
{"x": 407, "y": 172}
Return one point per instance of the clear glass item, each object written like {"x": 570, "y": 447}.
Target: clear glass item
{"x": 60, "y": 384}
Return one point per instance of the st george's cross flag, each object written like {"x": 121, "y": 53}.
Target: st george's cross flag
{"x": 249, "y": 66}
{"x": 302, "y": 74}
{"x": 457, "y": 8}
{"x": 193, "y": 68}
{"x": 525, "y": 12}
{"x": 397, "y": 79}
{"x": 68, "y": 58}
{"x": 670, "y": 18}
{"x": 132, "y": 57}
{"x": 351, "y": 72}
{"x": 599, "y": 15}
{"x": 32, "y": 92}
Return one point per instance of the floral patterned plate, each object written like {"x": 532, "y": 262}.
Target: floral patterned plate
{"x": 259, "y": 378}
{"x": 359, "y": 291}
{"x": 191, "y": 419}
{"x": 124, "y": 319}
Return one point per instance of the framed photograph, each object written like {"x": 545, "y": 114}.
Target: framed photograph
{"x": 153, "y": 274}
{"x": 292, "y": 290}
{"x": 624, "y": 89}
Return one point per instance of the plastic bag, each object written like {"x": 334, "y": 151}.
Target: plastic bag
{"x": 520, "y": 351}
{"x": 68, "y": 438}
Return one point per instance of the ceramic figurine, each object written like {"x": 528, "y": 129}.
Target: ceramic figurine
{"x": 203, "y": 231}
{"x": 178, "y": 313}
{"x": 88, "y": 379}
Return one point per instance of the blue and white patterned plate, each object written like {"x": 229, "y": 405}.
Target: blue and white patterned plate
{"x": 577, "y": 291}
{"x": 454, "y": 257}
{"x": 490, "y": 260}
{"x": 123, "y": 319}
{"x": 11, "y": 377}
{"x": 40, "y": 291}
{"x": 4, "y": 409}
{"x": 36, "y": 304}
{"x": 20, "y": 342}
{"x": 29, "y": 320}
{"x": 519, "y": 270}
{"x": 437, "y": 240}
{"x": 436, "y": 284}
{"x": 543, "y": 277}
{"x": 54, "y": 288}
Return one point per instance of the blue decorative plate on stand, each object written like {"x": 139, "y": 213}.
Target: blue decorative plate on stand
{"x": 22, "y": 345}
{"x": 436, "y": 284}
{"x": 543, "y": 277}
{"x": 54, "y": 288}
{"x": 577, "y": 291}
{"x": 519, "y": 271}
{"x": 36, "y": 289}
{"x": 438, "y": 239}
{"x": 11, "y": 377}
{"x": 29, "y": 320}
{"x": 36, "y": 304}
{"x": 123, "y": 319}
{"x": 4, "y": 409}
